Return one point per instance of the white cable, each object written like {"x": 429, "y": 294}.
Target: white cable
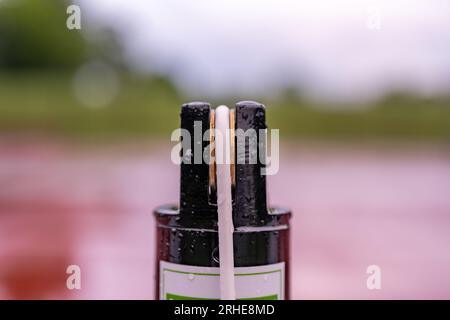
{"x": 224, "y": 207}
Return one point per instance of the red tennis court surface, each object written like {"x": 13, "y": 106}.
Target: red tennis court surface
{"x": 63, "y": 204}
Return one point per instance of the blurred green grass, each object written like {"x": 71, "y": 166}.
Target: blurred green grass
{"x": 39, "y": 55}
{"x": 44, "y": 103}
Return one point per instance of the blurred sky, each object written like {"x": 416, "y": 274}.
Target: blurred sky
{"x": 348, "y": 50}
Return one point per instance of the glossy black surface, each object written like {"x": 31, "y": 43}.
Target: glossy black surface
{"x": 187, "y": 234}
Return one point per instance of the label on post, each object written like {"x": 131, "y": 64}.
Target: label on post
{"x": 183, "y": 282}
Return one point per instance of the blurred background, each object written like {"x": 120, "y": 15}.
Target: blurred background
{"x": 360, "y": 91}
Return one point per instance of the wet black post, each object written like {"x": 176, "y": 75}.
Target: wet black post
{"x": 250, "y": 210}
{"x": 187, "y": 234}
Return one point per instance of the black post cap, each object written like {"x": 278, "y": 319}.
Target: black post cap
{"x": 194, "y": 180}
{"x": 250, "y": 205}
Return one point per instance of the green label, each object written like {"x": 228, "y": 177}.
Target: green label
{"x": 183, "y": 282}
{"x": 170, "y": 296}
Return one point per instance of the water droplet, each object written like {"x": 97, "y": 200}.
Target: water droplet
{"x": 215, "y": 255}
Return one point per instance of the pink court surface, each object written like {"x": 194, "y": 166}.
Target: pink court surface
{"x": 353, "y": 206}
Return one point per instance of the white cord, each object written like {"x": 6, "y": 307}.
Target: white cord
{"x": 224, "y": 207}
